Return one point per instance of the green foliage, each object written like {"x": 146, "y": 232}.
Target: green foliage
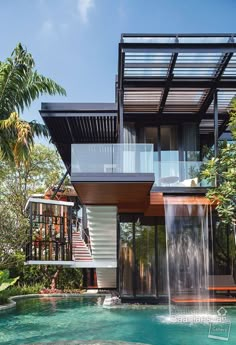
{"x": 17, "y": 183}
{"x": 20, "y": 85}
{"x": 232, "y": 122}
{"x": 68, "y": 278}
{"x": 19, "y": 290}
{"x": 33, "y": 279}
{"x": 6, "y": 281}
{"x": 223, "y": 169}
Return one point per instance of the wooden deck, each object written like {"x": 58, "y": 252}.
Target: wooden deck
{"x": 195, "y": 300}
{"x": 222, "y": 288}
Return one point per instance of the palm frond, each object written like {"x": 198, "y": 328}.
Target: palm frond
{"x": 38, "y": 129}
{"x": 20, "y": 85}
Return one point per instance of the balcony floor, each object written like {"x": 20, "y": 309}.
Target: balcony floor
{"x": 112, "y": 188}
{"x": 112, "y": 193}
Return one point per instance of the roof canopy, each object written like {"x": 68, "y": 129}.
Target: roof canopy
{"x": 177, "y": 74}
{"x": 70, "y": 123}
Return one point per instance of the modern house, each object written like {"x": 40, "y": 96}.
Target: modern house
{"x": 134, "y": 160}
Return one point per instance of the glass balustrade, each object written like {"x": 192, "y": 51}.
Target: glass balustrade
{"x": 112, "y": 158}
{"x": 135, "y": 158}
{"x": 179, "y": 174}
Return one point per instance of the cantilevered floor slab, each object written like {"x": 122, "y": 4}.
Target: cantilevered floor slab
{"x": 114, "y": 190}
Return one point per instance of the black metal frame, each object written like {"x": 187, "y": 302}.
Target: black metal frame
{"x": 131, "y": 218}
{"x": 210, "y": 83}
{"x": 103, "y": 122}
{"x": 60, "y": 248}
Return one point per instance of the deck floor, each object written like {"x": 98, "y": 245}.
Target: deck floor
{"x": 196, "y": 299}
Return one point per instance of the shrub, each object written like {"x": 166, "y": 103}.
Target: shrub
{"x": 5, "y": 280}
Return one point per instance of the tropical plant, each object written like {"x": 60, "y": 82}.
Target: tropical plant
{"x": 5, "y": 280}
{"x": 222, "y": 169}
{"x": 20, "y": 85}
{"x": 17, "y": 183}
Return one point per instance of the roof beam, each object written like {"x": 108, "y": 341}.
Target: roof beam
{"x": 169, "y": 77}
{"x": 173, "y": 35}
{"x": 218, "y": 75}
{"x": 179, "y": 83}
{"x": 175, "y": 47}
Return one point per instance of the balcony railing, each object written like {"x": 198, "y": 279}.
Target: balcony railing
{"x": 112, "y": 158}
{"x": 138, "y": 159}
{"x": 50, "y": 232}
{"x": 179, "y": 174}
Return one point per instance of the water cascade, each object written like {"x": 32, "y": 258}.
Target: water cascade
{"x": 187, "y": 254}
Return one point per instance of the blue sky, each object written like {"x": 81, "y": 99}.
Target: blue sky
{"x": 75, "y": 42}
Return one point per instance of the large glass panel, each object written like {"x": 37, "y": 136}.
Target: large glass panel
{"x": 112, "y": 158}
{"x": 145, "y": 259}
{"x": 91, "y": 158}
{"x": 129, "y": 133}
{"x": 133, "y": 158}
{"x": 126, "y": 258}
{"x": 169, "y": 143}
{"x": 191, "y": 142}
{"x": 169, "y": 168}
{"x": 224, "y": 249}
{"x": 151, "y": 137}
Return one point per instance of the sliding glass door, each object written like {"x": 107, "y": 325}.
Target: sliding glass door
{"x": 137, "y": 256}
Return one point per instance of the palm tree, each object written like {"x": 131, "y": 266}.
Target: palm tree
{"x": 20, "y": 85}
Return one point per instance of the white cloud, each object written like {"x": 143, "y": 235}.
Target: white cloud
{"x": 84, "y": 6}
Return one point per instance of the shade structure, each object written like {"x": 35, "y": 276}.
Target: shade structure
{"x": 167, "y": 77}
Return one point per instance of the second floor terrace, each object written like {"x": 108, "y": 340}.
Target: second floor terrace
{"x": 173, "y": 94}
{"x": 119, "y": 173}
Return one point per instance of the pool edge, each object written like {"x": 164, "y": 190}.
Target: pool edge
{"x": 12, "y": 302}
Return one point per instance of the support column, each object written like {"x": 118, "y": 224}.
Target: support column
{"x": 121, "y": 122}
{"x": 30, "y": 243}
{"x": 216, "y": 125}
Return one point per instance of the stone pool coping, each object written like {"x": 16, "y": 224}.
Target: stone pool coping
{"x": 12, "y": 302}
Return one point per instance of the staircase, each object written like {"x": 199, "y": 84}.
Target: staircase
{"x": 102, "y": 223}
{"x": 106, "y": 278}
{"x": 80, "y": 251}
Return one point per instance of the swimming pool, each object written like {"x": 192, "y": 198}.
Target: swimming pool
{"x": 54, "y": 319}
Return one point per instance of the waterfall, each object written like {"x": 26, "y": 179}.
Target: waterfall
{"x": 187, "y": 252}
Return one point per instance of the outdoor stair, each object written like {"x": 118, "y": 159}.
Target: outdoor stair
{"x": 102, "y": 224}
{"x": 106, "y": 278}
{"x": 80, "y": 250}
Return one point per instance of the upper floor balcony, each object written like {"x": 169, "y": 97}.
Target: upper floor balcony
{"x": 115, "y": 173}
{"x": 112, "y": 173}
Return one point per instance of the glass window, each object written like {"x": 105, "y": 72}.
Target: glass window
{"x": 191, "y": 142}
{"x": 161, "y": 260}
{"x": 129, "y": 133}
{"x": 169, "y": 156}
{"x": 169, "y": 143}
{"x": 145, "y": 259}
{"x": 150, "y": 135}
{"x": 126, "y": 258}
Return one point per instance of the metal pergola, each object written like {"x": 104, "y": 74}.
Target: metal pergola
{"x": 186, "y": 77}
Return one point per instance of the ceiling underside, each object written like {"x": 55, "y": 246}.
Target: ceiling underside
{"x": 76, "y": 125}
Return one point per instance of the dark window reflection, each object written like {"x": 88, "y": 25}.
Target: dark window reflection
{"x": 145, "y": 259}
{"x": 126, "y": 258}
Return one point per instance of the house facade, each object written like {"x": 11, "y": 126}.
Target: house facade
{"x": 134, "y": 161}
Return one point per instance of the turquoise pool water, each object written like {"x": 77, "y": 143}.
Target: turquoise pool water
{"x": 53, "y": 320}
